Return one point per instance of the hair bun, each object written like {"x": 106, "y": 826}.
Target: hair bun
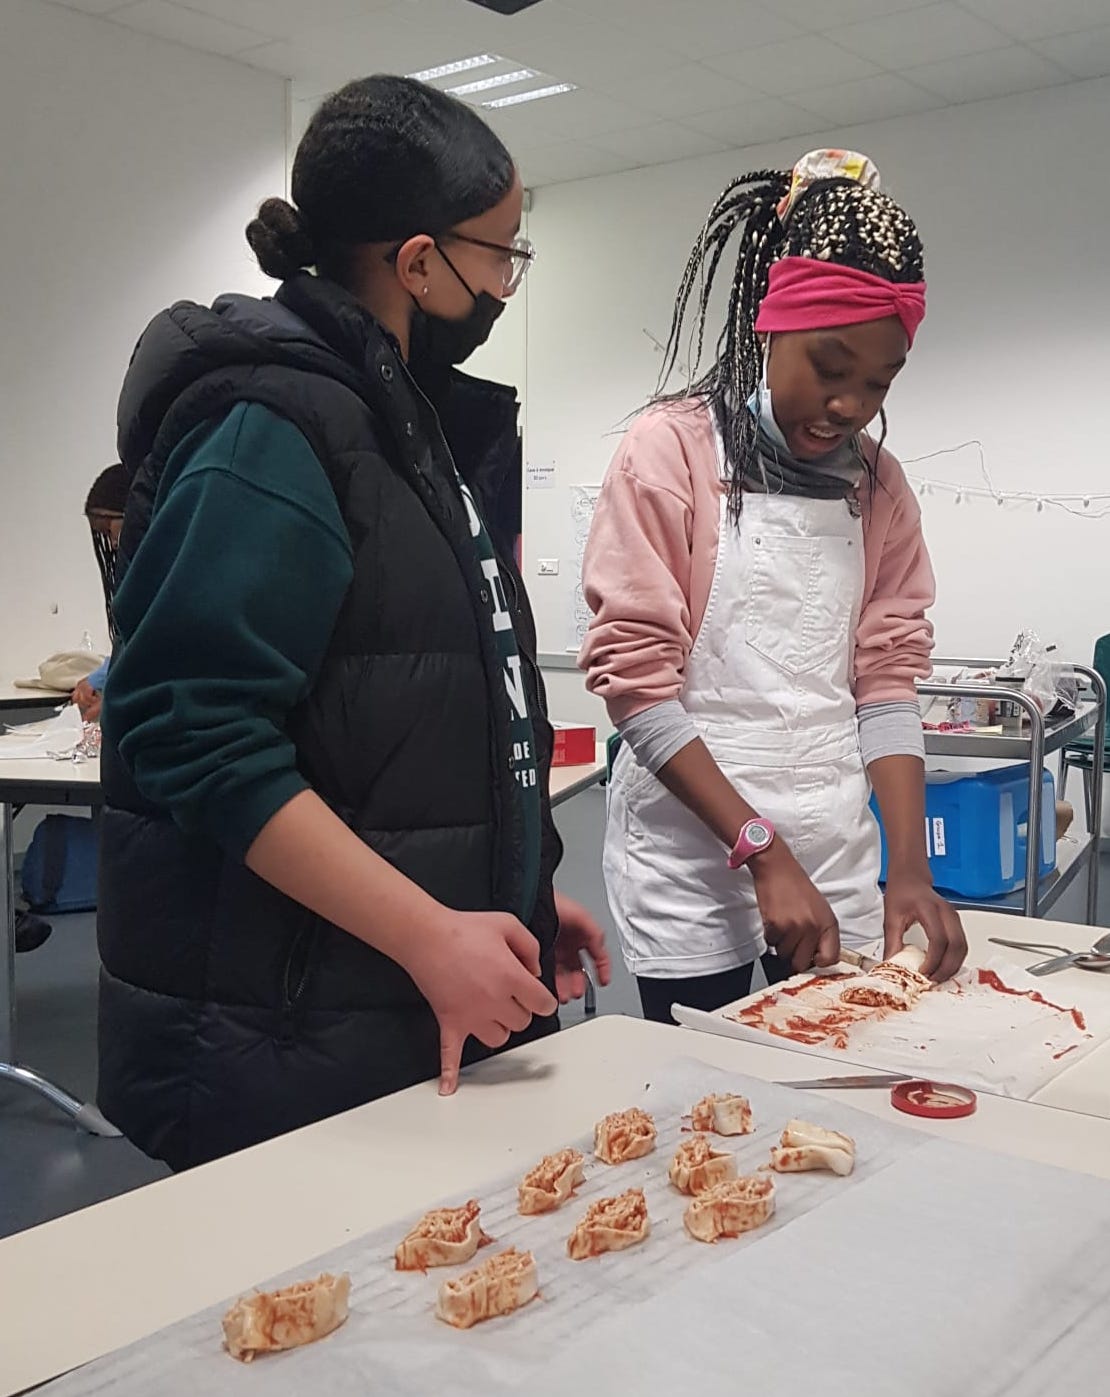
{"x": 280, "y": 240}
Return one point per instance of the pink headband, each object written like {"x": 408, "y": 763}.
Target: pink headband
{"x": 805, "y": 294}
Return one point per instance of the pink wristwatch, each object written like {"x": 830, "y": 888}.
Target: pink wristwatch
{"x": 755, "y": 836}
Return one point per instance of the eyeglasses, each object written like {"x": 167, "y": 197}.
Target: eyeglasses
{"x": 519, "y": 257}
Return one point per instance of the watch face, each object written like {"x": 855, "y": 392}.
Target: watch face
{"x": 759, "y": 836}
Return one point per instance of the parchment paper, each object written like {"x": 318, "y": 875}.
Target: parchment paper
{"x": 933, "y": 1270}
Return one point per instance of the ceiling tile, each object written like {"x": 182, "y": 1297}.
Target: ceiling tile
{"x": 278, "y": 58}
{"x": 680, "y": 92}
{"x": 925, "y": 35}
{"x": 451, "y": 17}
{"x": 697, "y": 29}
{"x": 980, "y": 75}
{"x": 581, "y": 115}
{"x": 871, "y": 99}
{"x": 285, "y": 18}
{"x": 660, "y": 142}
{"x": 657, "y": 80}
{"x": 182, "y": 26}
{"x": 567, "y": 160}
{"x": 526, "y": 126}
{"x": 1041, "y": 19}
{"x": 392, "y": 40}
{"x": 822, "y": 14}
{"x": 92, "y": 7}
{"x": 752, "y": 123}
{"x": 1085, "y": 55}
{"x": 592, "y": 65}
{"x": 576, "y": 44}
{"x": 794, "y": 66}
{"x": 327, "y": 55}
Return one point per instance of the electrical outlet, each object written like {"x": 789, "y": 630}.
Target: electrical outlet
{"x": 549, "y": 567}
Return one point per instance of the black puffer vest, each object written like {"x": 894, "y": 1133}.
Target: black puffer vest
{"x": 228, "y": 1012}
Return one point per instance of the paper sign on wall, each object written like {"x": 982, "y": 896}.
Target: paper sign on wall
{"x": 541, "y": 475}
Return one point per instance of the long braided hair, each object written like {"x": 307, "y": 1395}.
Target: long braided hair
{"x": 834, "y": 220}
{"x": 105, "y": 503}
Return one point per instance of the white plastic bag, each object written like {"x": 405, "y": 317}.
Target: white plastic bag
{"x": 1050, "y": 685}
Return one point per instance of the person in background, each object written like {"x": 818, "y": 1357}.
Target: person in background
{"x": 104, "y": 509}
{"x": 328, "y": 852}
{"x": 759, "y": 584}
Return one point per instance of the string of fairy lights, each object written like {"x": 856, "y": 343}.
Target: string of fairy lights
{"x": 1085, "y": 504}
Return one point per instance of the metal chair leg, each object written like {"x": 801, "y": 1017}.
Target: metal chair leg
{"x": 86, "y": 1116}
{"x": 80, "y": 1112}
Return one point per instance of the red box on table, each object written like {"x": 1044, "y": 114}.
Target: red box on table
{"x": 575, "y": 745}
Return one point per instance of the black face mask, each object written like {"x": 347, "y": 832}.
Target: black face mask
{"x": 439, "y": 342}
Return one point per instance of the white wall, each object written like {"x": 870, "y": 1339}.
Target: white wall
{"x": 130, "y": 168}
{"x": 504, "y": 356}
{"x": 1013, "y": 201}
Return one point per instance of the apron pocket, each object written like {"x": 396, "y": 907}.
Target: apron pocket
{"x": 796, "y": 616}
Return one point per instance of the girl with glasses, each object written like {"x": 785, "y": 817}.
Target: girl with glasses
{"x": 328, "y": 850}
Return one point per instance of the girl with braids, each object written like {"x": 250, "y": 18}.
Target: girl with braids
{"x": 328, "y": 853}
{"x": 759, "y": 584}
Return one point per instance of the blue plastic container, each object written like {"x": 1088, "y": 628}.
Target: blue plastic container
{"x": 976, "y": 830}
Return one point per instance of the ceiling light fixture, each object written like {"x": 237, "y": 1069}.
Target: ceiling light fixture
{"x": 533, "y": 96}
{"x": 461, "y": 65}
{"x": 484, "y": 84}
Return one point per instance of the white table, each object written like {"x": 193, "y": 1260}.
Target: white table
{"x": 79, "y": 1287}
{"x": 12, "y": 698}
{"x": 36, "y": 781}
{"x": 567, "y": 781}
{"x": 1085, "y": 1086}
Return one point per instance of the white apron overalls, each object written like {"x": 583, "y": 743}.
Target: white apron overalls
{"x": 768, "y": 685}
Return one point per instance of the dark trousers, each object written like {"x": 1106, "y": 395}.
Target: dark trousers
{"x": 707, "y": 992}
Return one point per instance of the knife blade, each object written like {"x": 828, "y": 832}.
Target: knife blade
{"x": 880, "y": 1079}
{"x": 1050, "y": 967}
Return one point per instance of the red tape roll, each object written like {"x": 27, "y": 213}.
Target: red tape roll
{"x": 934, "y": 1100}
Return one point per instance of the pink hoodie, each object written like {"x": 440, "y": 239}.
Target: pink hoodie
{"x": 652, "y": 552}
